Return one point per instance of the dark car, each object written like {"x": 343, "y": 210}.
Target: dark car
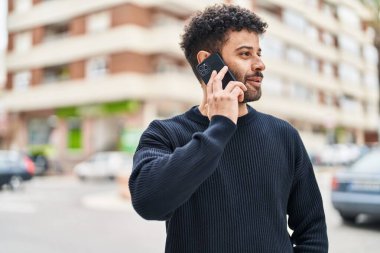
{"x": 15, "y": 167}
{"x": 356, "y": 189}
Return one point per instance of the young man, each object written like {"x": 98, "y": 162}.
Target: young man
{"x": 224, "y": 176}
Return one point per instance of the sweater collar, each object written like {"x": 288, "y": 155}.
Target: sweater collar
{"x": 195, "y": 115}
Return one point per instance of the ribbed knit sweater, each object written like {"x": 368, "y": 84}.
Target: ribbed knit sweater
{"x": 222, "y": 187}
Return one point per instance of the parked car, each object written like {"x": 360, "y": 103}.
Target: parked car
{"x": 104, "y": 165}
{"x": 15, "y": 167}
{"x": 356, "y": 189}
{"x": 339, "y": 154}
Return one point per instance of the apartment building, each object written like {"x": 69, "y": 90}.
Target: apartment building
{"x": 84, "y": 76}
{"x": 321, "y": 69}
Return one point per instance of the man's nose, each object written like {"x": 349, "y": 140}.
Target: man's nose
{"x": 258, "y": 65}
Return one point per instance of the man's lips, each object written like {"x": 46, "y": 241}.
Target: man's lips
{"x": 255, "y": 81}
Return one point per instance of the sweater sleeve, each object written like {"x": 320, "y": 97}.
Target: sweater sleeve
{"x": 305, "y": 207}
{"x": 163, "y": 179}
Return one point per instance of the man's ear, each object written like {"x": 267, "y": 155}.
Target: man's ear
{"x": 202, "y": 55}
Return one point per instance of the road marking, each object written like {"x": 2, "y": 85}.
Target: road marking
{"x": 109, "y": 201}
{"x": 17, "y": 208}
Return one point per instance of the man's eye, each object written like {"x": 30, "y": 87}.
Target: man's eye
{"x": 245, "y": 53}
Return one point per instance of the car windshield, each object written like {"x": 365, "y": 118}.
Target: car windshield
{"x": 368, "y": 163}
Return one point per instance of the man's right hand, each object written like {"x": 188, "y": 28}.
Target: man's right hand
{"x": 221, "y": 101}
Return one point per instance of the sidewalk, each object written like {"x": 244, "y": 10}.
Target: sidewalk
{"x": 108, "y": 201}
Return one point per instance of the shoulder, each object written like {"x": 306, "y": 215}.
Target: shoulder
{"x": 167, "y": 125}
{"x": 277, "y": 124}
{"x": 163, "y": 130}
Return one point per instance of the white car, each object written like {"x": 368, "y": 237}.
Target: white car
{"x": 104, "y": 165}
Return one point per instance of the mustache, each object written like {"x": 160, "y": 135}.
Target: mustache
{"x": 256, "y": 74}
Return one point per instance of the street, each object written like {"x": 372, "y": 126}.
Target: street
{"x": 62, "y": 214}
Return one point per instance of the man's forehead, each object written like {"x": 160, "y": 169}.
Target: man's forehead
{"x": 243, "y": 38}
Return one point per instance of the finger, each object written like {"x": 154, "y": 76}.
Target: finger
{"x": 217, "y": 83}
{"x": 241, "y": 97}
{"x": 237, "y": 91}
{"x": 231, "y": 85}
{"x": 209, "y": 84}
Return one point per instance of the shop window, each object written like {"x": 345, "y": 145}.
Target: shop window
{"x": 74, "y": 134}
{"x": 38, "y": 131}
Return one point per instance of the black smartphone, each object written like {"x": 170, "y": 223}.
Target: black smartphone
{"x": 214, "y": 62}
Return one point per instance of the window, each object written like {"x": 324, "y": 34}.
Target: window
{"x": 273, "y": 85}
{"x": 312, "y": 3}
{"x": 349, "y": 104}
{"x": 312, "y": 33}
{"x": 56, "y": 31}
{"x": 328, "y": 10}
{"x": 328, "y": 69}
{"x": 300, "y": 92}
{"x": 23, "y": 42}
{"x": 328, "y": 38}
{"x": 349, "y": 44}
{"x": 22, "y": 80}
{"x": 313, "y": 64}
{"x": 349, "y": 17}
{"x": 56, "y": 74}
{"x": 98, "y": 22}
{"x": 170, "y": 65}
{"x": 244, "y": 3}
{"x": 349, "y": 73}
{"x": 164, "y": 19}
{"x": 370, "y": 54}
{"x": 96, "y": 67}
{"x": 23, "y": 5}
{"x": 371, "y": 81}
{"x": 272, "y": 47}
{"x": 294, "y": 20}
{"x": 295, "y": 56}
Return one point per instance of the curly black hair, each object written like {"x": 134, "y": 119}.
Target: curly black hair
{"x": 208, "y": 29}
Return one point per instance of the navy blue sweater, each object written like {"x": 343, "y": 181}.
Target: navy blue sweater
{"x": 222, "y": 187}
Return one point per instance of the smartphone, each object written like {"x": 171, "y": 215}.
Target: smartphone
{"x": 214, "y": 62}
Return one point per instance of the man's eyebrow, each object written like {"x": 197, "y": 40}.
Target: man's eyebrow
{"x": 247, "y": 47}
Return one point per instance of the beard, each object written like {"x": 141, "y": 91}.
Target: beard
{"x": 252, "y": 94}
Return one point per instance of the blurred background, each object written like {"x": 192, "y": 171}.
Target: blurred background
{"x": 80, "y": 80}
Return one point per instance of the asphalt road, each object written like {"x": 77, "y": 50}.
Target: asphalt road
{"x": 61, "y": 214}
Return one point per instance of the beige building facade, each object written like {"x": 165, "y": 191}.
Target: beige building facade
{"x": 84, "y": 76}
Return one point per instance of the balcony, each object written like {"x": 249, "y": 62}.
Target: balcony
{"x": 56, "y": 11}
{"x": 303, "y": 75}
{"x": 300, "y": 40}
{"x": 166, "y": 86}
{"x": 162, "y": 39}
